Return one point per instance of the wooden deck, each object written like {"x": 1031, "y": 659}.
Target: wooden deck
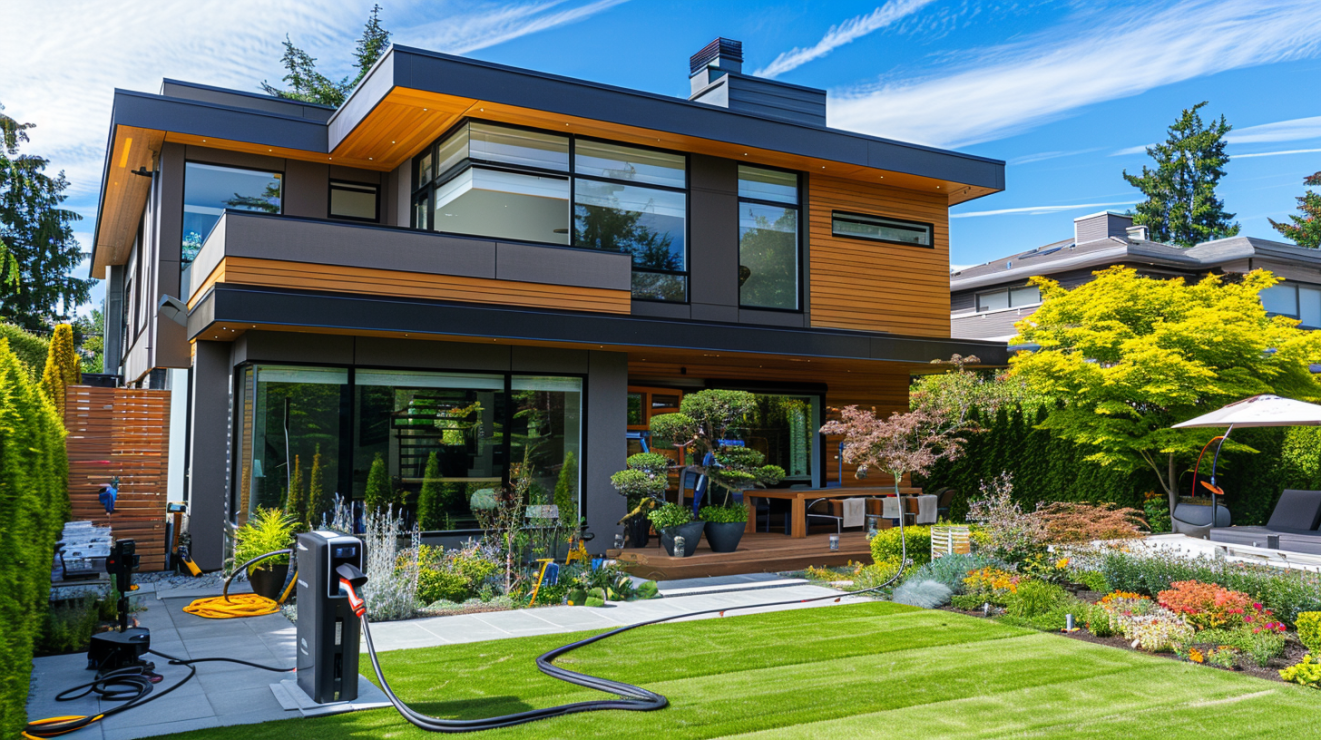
{"x": 759, "y": 552}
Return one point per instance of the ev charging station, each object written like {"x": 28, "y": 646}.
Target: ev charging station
{"x": 329, "y": 630}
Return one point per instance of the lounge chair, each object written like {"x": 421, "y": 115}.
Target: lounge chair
{"x": 1194, "y": 520}
{"x": 1292, "y": 526}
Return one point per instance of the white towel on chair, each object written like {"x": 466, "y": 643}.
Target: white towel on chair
{"x": 855, "y": 511}
{"x": 890, "y": 507}
{"x": 926, "y": 509}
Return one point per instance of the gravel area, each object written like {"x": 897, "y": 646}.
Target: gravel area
{"x": 167, "y": 581}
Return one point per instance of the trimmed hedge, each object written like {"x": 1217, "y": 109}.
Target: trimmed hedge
{"x": 34, "y": 501}
{"x": 30, "y": 348}
{"x": 1048, "y": 469}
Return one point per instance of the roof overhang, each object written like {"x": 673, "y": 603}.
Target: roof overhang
{"x": 226, "y": 311}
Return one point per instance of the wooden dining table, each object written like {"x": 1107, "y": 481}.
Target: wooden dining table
{"x": 798, "y": 498}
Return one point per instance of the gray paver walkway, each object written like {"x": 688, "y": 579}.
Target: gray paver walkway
{"x": 232, "y": 694}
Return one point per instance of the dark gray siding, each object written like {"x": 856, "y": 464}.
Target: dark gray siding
{"x": 209, "y": 474}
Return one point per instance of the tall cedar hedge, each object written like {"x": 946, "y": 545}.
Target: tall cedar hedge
{"x": 34, "y": 501}
{"x": 30, "y": 348}
{"x": 1048, "y": 469}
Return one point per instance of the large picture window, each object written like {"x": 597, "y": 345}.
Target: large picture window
{"x": 209, "y": 189}
{"x": 768, "y": 238}
{"x": 504, "y": 182}
{"x": 458, "y": 434}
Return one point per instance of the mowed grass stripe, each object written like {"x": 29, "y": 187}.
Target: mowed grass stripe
{"x": 867, "y": 670}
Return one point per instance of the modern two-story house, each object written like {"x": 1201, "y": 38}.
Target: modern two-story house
{"x": 987, "y": 300}
{"x": 497, "y": 266}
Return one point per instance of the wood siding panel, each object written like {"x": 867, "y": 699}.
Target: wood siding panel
{"x": 282, "y": 274}
{"x": 872, "y": 286}
{"x": 121, "y": 432}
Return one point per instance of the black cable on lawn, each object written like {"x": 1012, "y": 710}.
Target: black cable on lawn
{"x": 632, "y": 698}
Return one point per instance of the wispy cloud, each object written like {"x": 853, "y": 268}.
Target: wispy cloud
{"x": 1276, "y": 154}
{"x": 1038, "y": 210}
{"x": 844, "y": 33}
{"x": 1296, "y": 129}
{"x": 66, "y": 88}
{"x": 1128, "y": 151}
{"x": 1045, "y": 156}
{"x": 1009, "y": 89}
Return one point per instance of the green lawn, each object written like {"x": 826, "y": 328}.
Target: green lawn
{"x": 866, "y": 670}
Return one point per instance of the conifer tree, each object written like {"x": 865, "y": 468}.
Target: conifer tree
{"x": 566, "y": 491}
{"x": 295, "y": 505}
{"x": 1181, "y": 206}
{"x": 430, "y": 503}
{"x": 310, "y": 86}
{"x": 319, "y": 498}
{"x": 63, "y": 367}
{"x": 1305, "y": 231}
{"x": 378, "y": 494}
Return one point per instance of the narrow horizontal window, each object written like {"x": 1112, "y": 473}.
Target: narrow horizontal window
{"x": 1028, "y": 296}
{"x": 881, "y": 229}
{"x": 1012, "y": 298}
{"x": 518, "y": 147}
{"x": 631, "y": 164}
{"x": 757, "y": 183}
{"x": 353, "y": 200}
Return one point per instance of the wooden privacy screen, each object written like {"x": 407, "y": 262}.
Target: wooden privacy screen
{"x": 123, "y": 432}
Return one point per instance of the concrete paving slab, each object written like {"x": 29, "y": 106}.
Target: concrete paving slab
{"x": 164, "y": 728}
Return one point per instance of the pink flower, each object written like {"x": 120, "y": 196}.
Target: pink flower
{"x": 1256, "y": 630}
{"x": 1248, "y": 618}
{"x": 1256, "y": 606}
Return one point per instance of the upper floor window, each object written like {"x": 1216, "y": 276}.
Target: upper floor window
{"x": 768, "y": 223}
{"x": 509, "y": 183}
{"x": 209, "y": 189}
{"x": 881, "y": 229}
{"x": 355, "y": 201}
{"x": 1295, "y": 300}
{"x": 1011, "y": 298}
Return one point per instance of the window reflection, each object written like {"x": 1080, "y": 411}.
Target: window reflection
{"x": 209, "y": 189}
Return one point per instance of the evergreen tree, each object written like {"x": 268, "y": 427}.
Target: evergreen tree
{"x": 430, "y": 504}
{"x": 295, "y": 505}
{"x": 87, "y": 335}
{"x": 566, "y": 491}
{"x": 37, "y": 250}
{"x": 63, "y": 367}
{"x": 310, "y": 86}
{"x": 319, "y": 498}
{"x": 1181, "y": 206}
{"x": 378, "y": 494}
{"x": 1305, "y": 231}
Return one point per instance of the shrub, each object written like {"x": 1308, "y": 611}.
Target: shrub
{"x": 63, "y": 368}
{"x": 724, "y": 514}
{"x": 1072, "y": 522}
{"x": 670, "y": 516}
{"x": 565, "y": 495}
{"x": 994, "y": 585}
{"x": 1223, "y": 657}
{"x": 926, "y": 594}
{"x": 1307, "y": 672}
{"x": 1261, "y": 644}
{"x": 1205, "y": 605}
{"x": 875, "y": 575}
{"x": 1309, "y": 630}
{"x": 1097, "y": 620}
{"x": 441, "y": 585}
{"x": 967, "y": 602}
{"x": 28, "y": 348}
{"x": 34, "y": 478}
{"x": 952, "y": 570}
{"x": 1157, "y": 509}
{"x": 1034, "y": 598}
{"x": 378, "y": 494}
{"x": 886, "y": 545}
{"x": 1287, "y": 592}
{"x": 266, "y": 530}
{"x": 1094, "y": 580}
{"x": 431, "y": 499}
{"x": 1012, "y": 534}
{"x": 1161, "y": 631}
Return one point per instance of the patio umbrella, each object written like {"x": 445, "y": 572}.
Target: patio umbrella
{"x": 1258, "y": 411}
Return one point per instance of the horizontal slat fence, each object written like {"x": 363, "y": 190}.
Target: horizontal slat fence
{"x": 121, "y": 432}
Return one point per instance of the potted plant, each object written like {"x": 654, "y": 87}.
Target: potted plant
{"x": 704, "y": 431}
{"x": 724, "y": 526}
{"x": 673, "y": 520}
{"x": 267, "y": 530}
{"x": 643, "y": 485}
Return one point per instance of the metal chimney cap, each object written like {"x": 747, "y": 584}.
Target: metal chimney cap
{"x": 721, "y": 48}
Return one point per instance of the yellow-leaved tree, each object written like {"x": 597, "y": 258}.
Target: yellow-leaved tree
{"x": 63, "y": 368}
{"x": 1131, "y": 356}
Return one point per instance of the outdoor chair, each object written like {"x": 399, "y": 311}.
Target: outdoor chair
{"x": 944, "y": 499}
{"x": 1293, "y": 525}
{"x": 833, "y": 508}
{"x": 1194, "y": 520}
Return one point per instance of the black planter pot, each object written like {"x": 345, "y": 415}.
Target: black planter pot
{"x": 269, "y": 581}
{"x": 691, "y": 532}
{"x": 639, "y": 531}
{"x": 724, "y": 536}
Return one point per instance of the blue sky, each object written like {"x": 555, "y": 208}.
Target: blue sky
{"x": 1066, "y": 92}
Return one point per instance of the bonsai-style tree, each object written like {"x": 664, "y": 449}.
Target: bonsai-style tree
{"x": 63, "y": 367}
{"x": 902, "y": 444}
{"x": 431, "y": 499}
{"x": 699, "y": 430}
{"x": 1131, "y": 356}
{"x": 642, "y": 483}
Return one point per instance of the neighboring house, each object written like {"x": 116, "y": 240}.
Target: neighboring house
{"x": 490, "y": 264}
{"x": 986, "y": 300}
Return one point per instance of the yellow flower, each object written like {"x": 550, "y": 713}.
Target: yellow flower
{"x": 1196, "y": 656}
{"x": 1062, "y": 563}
